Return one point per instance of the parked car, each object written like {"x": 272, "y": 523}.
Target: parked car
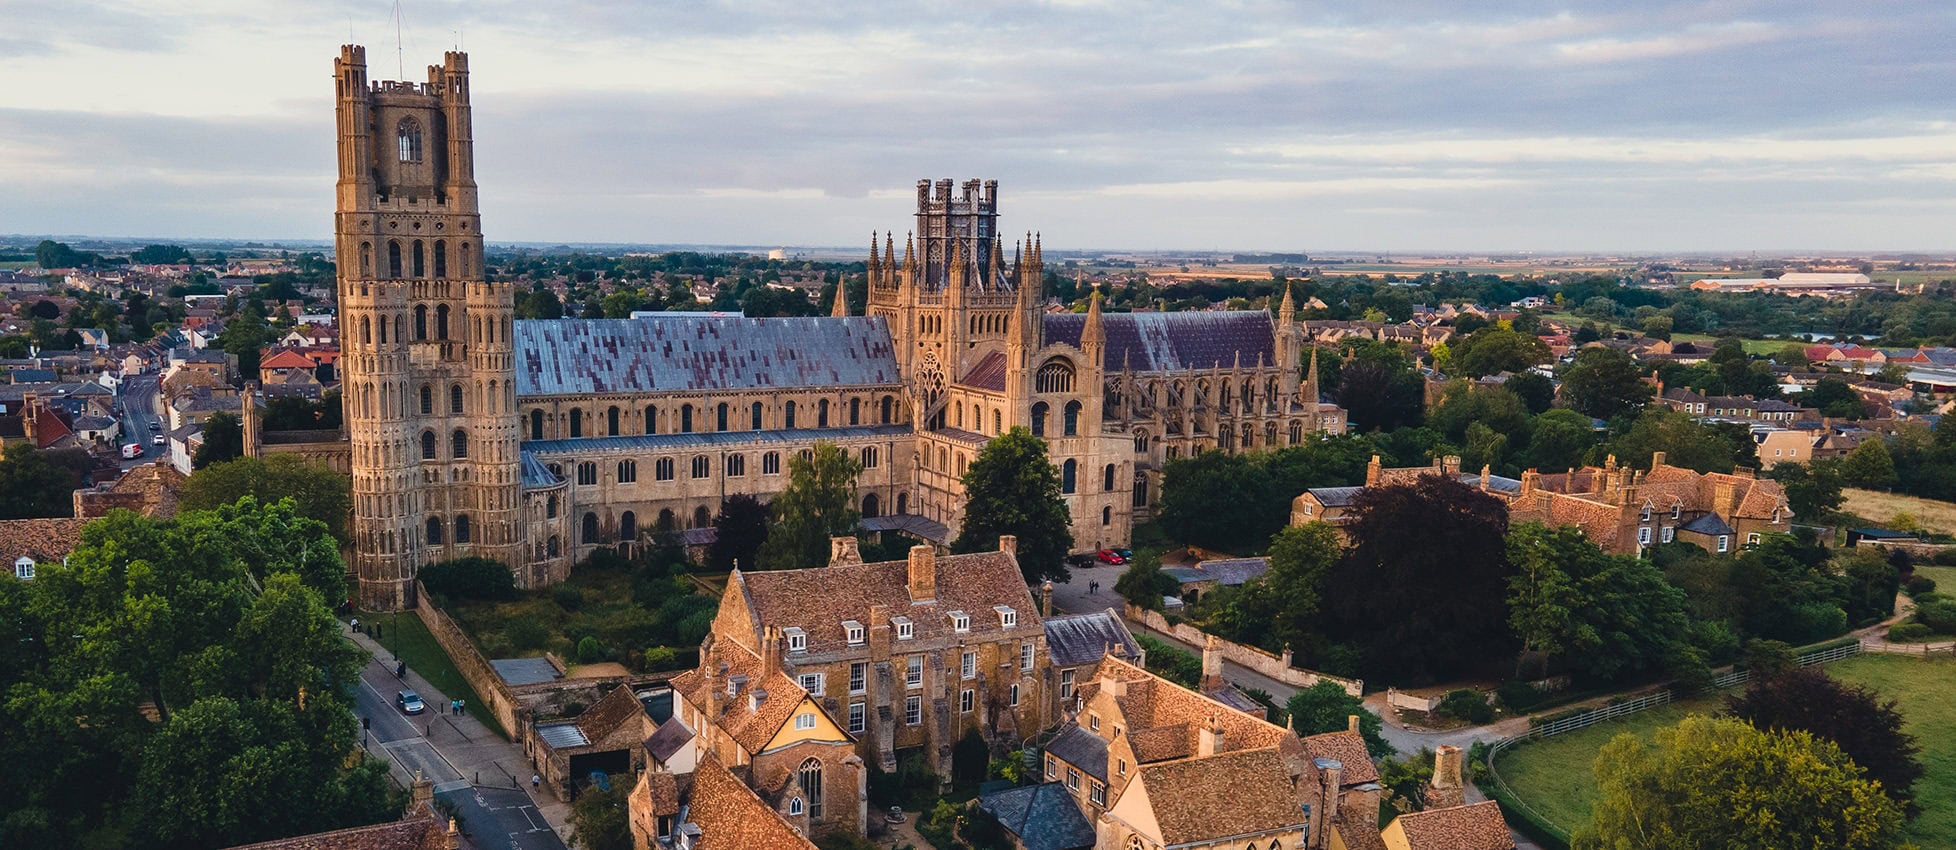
{"x": 155, "y": 425}
{"x": 158, "y": 440}
{"x": 1126, "y": 554}
{"x": 1109, "y": 556}
{"x": 410, "y": 702}
{"x": 1080, "y": 562}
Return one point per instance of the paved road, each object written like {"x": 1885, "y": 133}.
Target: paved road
{"x": 141, "y": 407}
{"x": 500, "y": 817}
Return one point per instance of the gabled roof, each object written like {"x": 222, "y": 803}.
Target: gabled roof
{"x": 750, "y": 725}
{"x": 668, "y": 739}
{"x": 1477, "y": 826}
{"x": 1222, "y": 796}
{"x": 989, "y": 374}
{"x": 1171, "y": 342}
{"x": 1082, "y": 749}
{"x": 1335, "y": 497}
{"x": 818, "y": 599}
{"x": 1348, "y": 749}
{"x": 584, "y": 356}
{"x": 1076, "y": 639}
{"x": 1707, "y": 524}
{"x": 1044, "y": 817}
{"x": 44, "y": 540}
{"x": 732, "y": 817}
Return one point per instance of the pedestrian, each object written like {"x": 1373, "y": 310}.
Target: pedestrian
{"x": 356, "y": 624}
{"x": 400, "y": 669}
{"x": 461, "y": 705}
{"x": 535, "y": 780}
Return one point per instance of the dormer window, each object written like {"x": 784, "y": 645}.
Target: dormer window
{"x": 24, "y": 568}
{"x": 797, "y": 639}
{"x": 1646, "y": 515}
{"x": 904, "y": 628}
{"x": 960, "y": 621}
{"x": 853, "y": 632}
{"x": 1007, "y": 618}
{"x": 1677, "y": 510}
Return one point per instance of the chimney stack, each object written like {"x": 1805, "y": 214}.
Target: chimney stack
{"x": 770, "y": 652}
{"x": 1374, "y": 472}
{"x": 1446, "y": 789}
{"x": 1046, "y": 598}
{"x": 1656, "y": 460}
{"x": 844, "y": 551}
{"x": 1351, "y": 723}
{"x": 923, "y": 573}
{"x": 424, "y": 790}
{"x": 1332, "y": 772}
{"x": 1209, "y": 740}
{"x": 1009, "y": 544}
{"x": 1212, "y": 660}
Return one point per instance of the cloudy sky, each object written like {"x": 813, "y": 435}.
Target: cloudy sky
{"x": 1404, "y": 125}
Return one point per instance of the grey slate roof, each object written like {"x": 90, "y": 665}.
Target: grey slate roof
{"x": 670, "y": 736}
{"x": 1496, "y": 483}
{"x": 1082, "y": 749}
{"x": 1043, "y": 816}
{"x": 1707, "y": 524}
{"x": 582, "y": 356}
{"x": 536, "y": 475}
{"x": 562, "y": 735}
{"x": 1336, "y": 497}
{"x": 668, "y": 442}
{"x": 524, "y": 671}
{"x": 1234, "y": 571}
{"x": 1076, "y": 639}
{"x": 920, "y": 527}
{"x": 1169, "y": 342}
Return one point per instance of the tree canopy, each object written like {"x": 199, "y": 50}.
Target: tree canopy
{"x": 740, "y": 528}
{"x": 1868, "y": 730}
{"x": 223, "y": 440}
{"x": 1012, "y": 488}
{"x": 1602, "y": 615}
{"x": 40, "y": 483}
{"x": 819, "y": 503}
{"x": 1325, "y": 707}
{"x": 315, "y": 489}
{"x": 1712, "y": 784}
{"x": 1604, "y": 383}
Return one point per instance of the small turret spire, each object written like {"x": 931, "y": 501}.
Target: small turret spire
{"x": 1092, "y": 336}
{"x": 841, "y": 309}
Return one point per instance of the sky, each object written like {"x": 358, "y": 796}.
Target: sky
{"x": 1411, "y": 125}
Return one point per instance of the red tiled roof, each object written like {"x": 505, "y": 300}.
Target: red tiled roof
{"x": 287, "y": 358}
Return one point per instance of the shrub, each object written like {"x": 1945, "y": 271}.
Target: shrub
{"x": 660, "y": 658}
{"x": 1918, "y": 585}
{"x": 567, "y": 597}
{"x": 1909, "y": 633}
{"x": 1946, "y": 557}
{"x": 1520, "y": 696}
{"x": 1468, "y": 705}
{"x": 589, "y": 651}
{"x": 1171, "y": 662}
{"x": 1939, "y": 615}
{"x": 470, "y": 578}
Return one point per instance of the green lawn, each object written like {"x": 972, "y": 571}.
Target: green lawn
{"x": 1553, "y": 776}
{"x": 1945, "y": 577}
{"x": 405, "y": 636}
{"x": 1752, "y": 346}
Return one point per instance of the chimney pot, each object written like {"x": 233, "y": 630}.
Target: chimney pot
{"x": 923, "y": 573}
{"x": 1009, "y": 544}
{"x": 844, "y": 551}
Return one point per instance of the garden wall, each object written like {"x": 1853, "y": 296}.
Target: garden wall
{"x": 1264, "y": 663}
{"x": 481, "y": 676}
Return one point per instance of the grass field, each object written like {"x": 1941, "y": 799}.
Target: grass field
{"x": 1945, "y": 576}
{"x": 409, "y": 640}
{"x": 1553, "y": 776}
{"x": 1881, "y": 507}
{"x": 1752, "y": 346}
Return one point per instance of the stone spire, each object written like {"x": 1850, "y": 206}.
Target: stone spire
{"x": 841, "y": 309}
{"x": 1286, "y": 313}
{"x": 1093, "y": 340}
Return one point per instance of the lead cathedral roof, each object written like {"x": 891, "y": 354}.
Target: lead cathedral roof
{"x": 582, "y": 356}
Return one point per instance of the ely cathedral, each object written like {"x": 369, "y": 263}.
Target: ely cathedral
{"x": 534, "y": 442}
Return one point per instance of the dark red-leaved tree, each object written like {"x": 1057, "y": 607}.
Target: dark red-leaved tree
{"x": 1422, "y": 592}
{"x": 1868, "y": 730}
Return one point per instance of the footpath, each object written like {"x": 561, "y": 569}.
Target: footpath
{"x": 474, "y": 768}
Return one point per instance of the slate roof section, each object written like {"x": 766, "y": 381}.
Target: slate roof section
{"x": 703, "y": 439}
{"x": 524, "y": 671}
{"x": 1044, "y": 817}
{"x": 988, "y": 374}
{"x": 915, "y": 525}
{"x": 1234, "y": 571}
{"x": 701, "y": 354}
{"x": 1076, "y": 639}
{"x": 1082, "y": 749}
{"x": 1707, "y": 524}
{"x": 559, "y": 736}
{"x": 1336, "y": 497}
{"x": 1172, "y": 342}
{"x": 536, "y": 476}
{"x": 667, "y": 740}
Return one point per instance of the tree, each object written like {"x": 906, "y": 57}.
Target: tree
{"x": 819, "y": 503}
{"x": 245, "y": 337}
{"x": 1834, "y": 397}
{"x": 1604, "y": 615}
{"x": 1454, "y": 572}
{"x": 1326, "y": 707}
{"x": 1604, "y": 383}
{"x": 1869, "y": 465}
{"x": 295, "y": 413}
{"x": 470, "y": 578}
{"x": 1144, "y": 584}
{"x": 1868, "y": 730}
{"x": 1558, "y": 439}
{"x": 1534, "y": 389}
{"x": 38, "y": 483}
{"x": 1685, "y": 441}
{"x": 1284, "y": 601}
{"x": 223, "y": 440}
{"x": 1012, "y": 488}
{"x": 1495, "y": 349}
{"x": 740, "y": 528}
{"x": 316, "y": 490}
{"x": 1813, "y": 490}
{"x": 1719, "y": 783}
{"x": 599, "y": 820}
{"x": 160, "y": 255}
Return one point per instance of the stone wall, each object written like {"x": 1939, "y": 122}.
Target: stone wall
{"x": 1264, "y": 663}
{"x": 494, "y": 692}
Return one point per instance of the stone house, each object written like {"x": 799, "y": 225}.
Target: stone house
{"x": 1478, "y": 826}
{"x": 1075, "y": 643}
{"x": 713, "y": 809}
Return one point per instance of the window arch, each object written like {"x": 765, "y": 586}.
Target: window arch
{"x": 702, "y": 518}
{"x": 1296, "y": 433}
{"x": 441, "y": 321}
{"x": 627, "y": 471}
{"x": 736, "y": 465}
{"x": 1107, "y": 516}
{"x": 441, "y": 258}
{"x": 998, "y": 422}
{"x": 1056, "y": 376}
{"x": 407, "y": 140}
{"x": 589, "y": 533}
{"x": 420, "y": 322}
{"x": 651, "y": 419}
{"x": 771, "y": 463}
{"x": 788, "y": 415}
{"x": 903, "y": 503}
{"x": 455, "y": 398}
{"x": 756, "y": 416}
{"x": 550, "y": 509}
{"x": 870, "y": 457}
{"x": 611, "y": 421}
{"x": 536, "y": 423}
{"x": 628, "y": 527}
{"x": 720, "y": 417}
{"x": 462, "y": 531}
{"x": 889, "y": 407}
{"x": 459, "y": 443}
{"x": 1072, "y": 421}
{"x": 367, "y": 331}
{"x": 434, "y": 531}
{"x": 551, "y": 547}
{"x": 685, "y": 419}
{"x": 427, "y": 445}
{"x": 1069, "y": 473}
{"x": 577, "y": 422}
{"x": 366, "y": 259}
{"x": 662, "y": 469}
{"x": 427, "y": 400}
{"x": 702, "y": 466}
{"x": 1107, "y": 478}
{"x": 394, "y": 259}
{"x": 855, "y": 411}
{"x": 822, "y": 413}
{"x": 587, "y": 474}
{"x": 869, "y": 506}
{"x": 420, "y": 259}
{"x": 1039, "y": 411}
{"x": 811, "y": 784}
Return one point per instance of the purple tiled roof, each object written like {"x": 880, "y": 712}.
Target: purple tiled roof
{"x": 1170, "y": 342}
{"x": 989, "y": 374}
{"x": 580, "y": 356}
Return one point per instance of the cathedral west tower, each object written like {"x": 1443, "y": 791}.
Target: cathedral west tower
{"x": 428, "y": 367}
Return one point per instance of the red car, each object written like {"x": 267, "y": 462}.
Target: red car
{"x": 1109, "y": 556}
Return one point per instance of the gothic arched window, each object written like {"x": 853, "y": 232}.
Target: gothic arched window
{"x": 434, "y": 531}
{"x": 462, "y": 528}
{"x": 441, "y": 258}
{"x": 407, "y": 137}
{"x": 1069, "y": 474}
{"x": 811, "y": 783}
{"x": 459, "y": 443}
{"x": 454, "y": 398}
{"x": 1039, "y": 419}
{"x": 1072, "y": 419}
{"x": 427, "y": 445}
{"x": 1056, "y": 376}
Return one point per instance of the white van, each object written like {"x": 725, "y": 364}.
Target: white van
{"x": 132, "y": 451}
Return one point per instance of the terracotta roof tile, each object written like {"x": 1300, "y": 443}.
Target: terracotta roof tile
{"x": 750, "y": 726}
{"x": 1472, "y": 827}
{"x": 1348, "y": 748}
{"x": 818, "y": 599}
{"x": 419, "y": 831}
{"x": 731, "y": 817}
{"x": 44, "y": 540}
{"x": 1232, "y": 794}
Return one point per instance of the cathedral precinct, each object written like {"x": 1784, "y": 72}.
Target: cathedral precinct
{"x": 534, "y": 442}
